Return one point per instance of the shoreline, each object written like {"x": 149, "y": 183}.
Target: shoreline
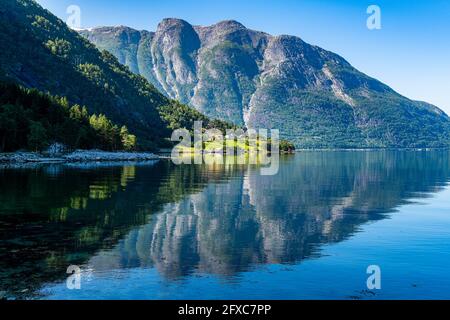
{"x": 374, "y": 149}
{"x": 77, "y": 156}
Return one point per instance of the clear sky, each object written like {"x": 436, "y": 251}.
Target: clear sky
{"x": 411, "y": 52}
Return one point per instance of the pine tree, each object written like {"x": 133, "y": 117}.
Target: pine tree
{"x": 37, "y": 138}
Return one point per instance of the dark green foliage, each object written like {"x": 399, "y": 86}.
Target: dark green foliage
{"x": 40, "y": 51}
{"x": 37, "y": 137}
{"x": 13, "y": 126}
{"x": 32, "y": 120}
{"x": 177, "y": 115}
{"x": 128, "y": 140}
{"x": 312, "y": 120}
{"x": 286, "y": 146}
{"x": 397, "y": 122}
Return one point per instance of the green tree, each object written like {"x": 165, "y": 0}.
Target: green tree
{"x": 37, "y": 138}
{"x": 7, "y": 126}
{"x": 29, "y": 118}
{"x": 128, "y": 140}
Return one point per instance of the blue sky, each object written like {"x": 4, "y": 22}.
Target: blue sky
{"x": 411, "y": 52}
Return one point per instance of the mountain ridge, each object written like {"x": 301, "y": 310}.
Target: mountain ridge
{"x": 252, "y": 78}
{"x": 39, "y": 51}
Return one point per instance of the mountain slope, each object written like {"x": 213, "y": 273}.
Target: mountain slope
{"x": 32, "y": 120}
{"x": 39, "y": 51}
{"x": 315, "y": 97}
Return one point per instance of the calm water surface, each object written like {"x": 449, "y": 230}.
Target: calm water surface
{"x": 160, "y": 231}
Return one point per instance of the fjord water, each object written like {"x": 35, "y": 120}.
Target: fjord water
{"x": 160, "y": 231}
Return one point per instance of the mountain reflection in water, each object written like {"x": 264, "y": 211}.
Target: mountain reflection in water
{"x": 181, "y": 220}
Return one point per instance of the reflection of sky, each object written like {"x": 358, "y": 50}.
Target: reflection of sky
{"x": 221, "y": 232}
{"x": 410, "y": 53}
{"x": 411, "y": 249}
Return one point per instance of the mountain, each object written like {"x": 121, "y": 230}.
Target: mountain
{"x": 315, "y": 97}
{"x": 39, "y": 51}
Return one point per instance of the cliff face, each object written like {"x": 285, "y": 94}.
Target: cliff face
{"x": 315, "y": 97}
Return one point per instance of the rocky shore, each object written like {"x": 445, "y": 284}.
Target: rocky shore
{"x": 76, "y": 156}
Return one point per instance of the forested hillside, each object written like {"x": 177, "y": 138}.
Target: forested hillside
{"x": 39, "y": 51}
{"x": 33, "y": 120}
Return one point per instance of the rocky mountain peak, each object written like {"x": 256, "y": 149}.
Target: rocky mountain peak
{"x": 171, "y": 24}
{"x": 314, "y": 96}
{"x": 229, "y": 24}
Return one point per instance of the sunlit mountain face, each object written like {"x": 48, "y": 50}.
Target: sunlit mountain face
{"x": 313, "y": 96}
{"x": 181, "y": 221}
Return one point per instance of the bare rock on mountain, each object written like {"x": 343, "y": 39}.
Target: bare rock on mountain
{"x": 315, "y": 97}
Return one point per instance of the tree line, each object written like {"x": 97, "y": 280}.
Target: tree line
{"x": 32, "y": 120}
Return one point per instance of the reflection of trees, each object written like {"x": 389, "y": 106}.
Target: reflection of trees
{"x": 316, "y": 198}
{"x": 184, "y": 219}
{"x": 47, "y": 221}
{"x": 55, "y": 216}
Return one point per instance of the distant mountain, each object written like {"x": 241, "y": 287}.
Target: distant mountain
{"x": 315, "y": 97}
{"x": 39, "y": 51}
